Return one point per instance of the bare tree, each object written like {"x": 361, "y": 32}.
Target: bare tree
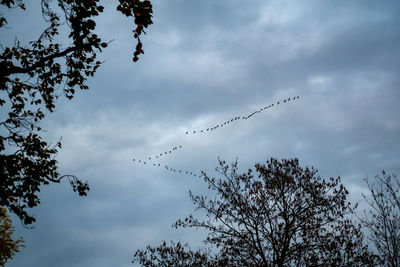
{"x": 284, "y": 216}
{"x": 383, "y": 218}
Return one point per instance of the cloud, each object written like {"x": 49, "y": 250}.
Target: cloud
{"x": 206, "y": 62}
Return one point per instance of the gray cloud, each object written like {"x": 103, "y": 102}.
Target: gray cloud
{"x": 206, "y": 62}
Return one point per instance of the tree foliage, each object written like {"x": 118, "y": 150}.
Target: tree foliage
{"x": 383, "y": 218}
{"x": 285, "y": 216}
{"x": 174, "y": 255}
{"x": 30, "y": 77}
{"x": 8, "y": 246}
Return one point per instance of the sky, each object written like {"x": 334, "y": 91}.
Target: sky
{"x": 205, "y": 63}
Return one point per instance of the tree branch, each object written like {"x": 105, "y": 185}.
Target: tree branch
{"x": 14, "y": 69}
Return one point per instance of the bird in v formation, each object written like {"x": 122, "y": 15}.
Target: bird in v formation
{"x": 203, "y": 131}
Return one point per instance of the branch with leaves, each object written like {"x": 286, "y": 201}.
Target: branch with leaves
{"x": 31, "y": 77}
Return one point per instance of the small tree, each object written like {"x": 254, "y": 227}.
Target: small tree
{"x": 8, "y": 246}
{"x": 286, "y": 216}
{"x": 383, "y": 218}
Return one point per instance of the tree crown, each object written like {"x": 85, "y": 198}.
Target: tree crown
{"x": 285, "y": 216}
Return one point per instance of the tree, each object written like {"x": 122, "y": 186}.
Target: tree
{"x": 8, "y": 246}
{"x": 383, "y": 218}
{"x": 285, "y": 216}
{"x": 29, "y": 78}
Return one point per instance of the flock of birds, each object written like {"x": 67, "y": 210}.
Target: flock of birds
{"x": 153, "y": 160}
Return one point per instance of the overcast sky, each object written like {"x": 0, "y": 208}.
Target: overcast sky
{"x": 205, "y": 63}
